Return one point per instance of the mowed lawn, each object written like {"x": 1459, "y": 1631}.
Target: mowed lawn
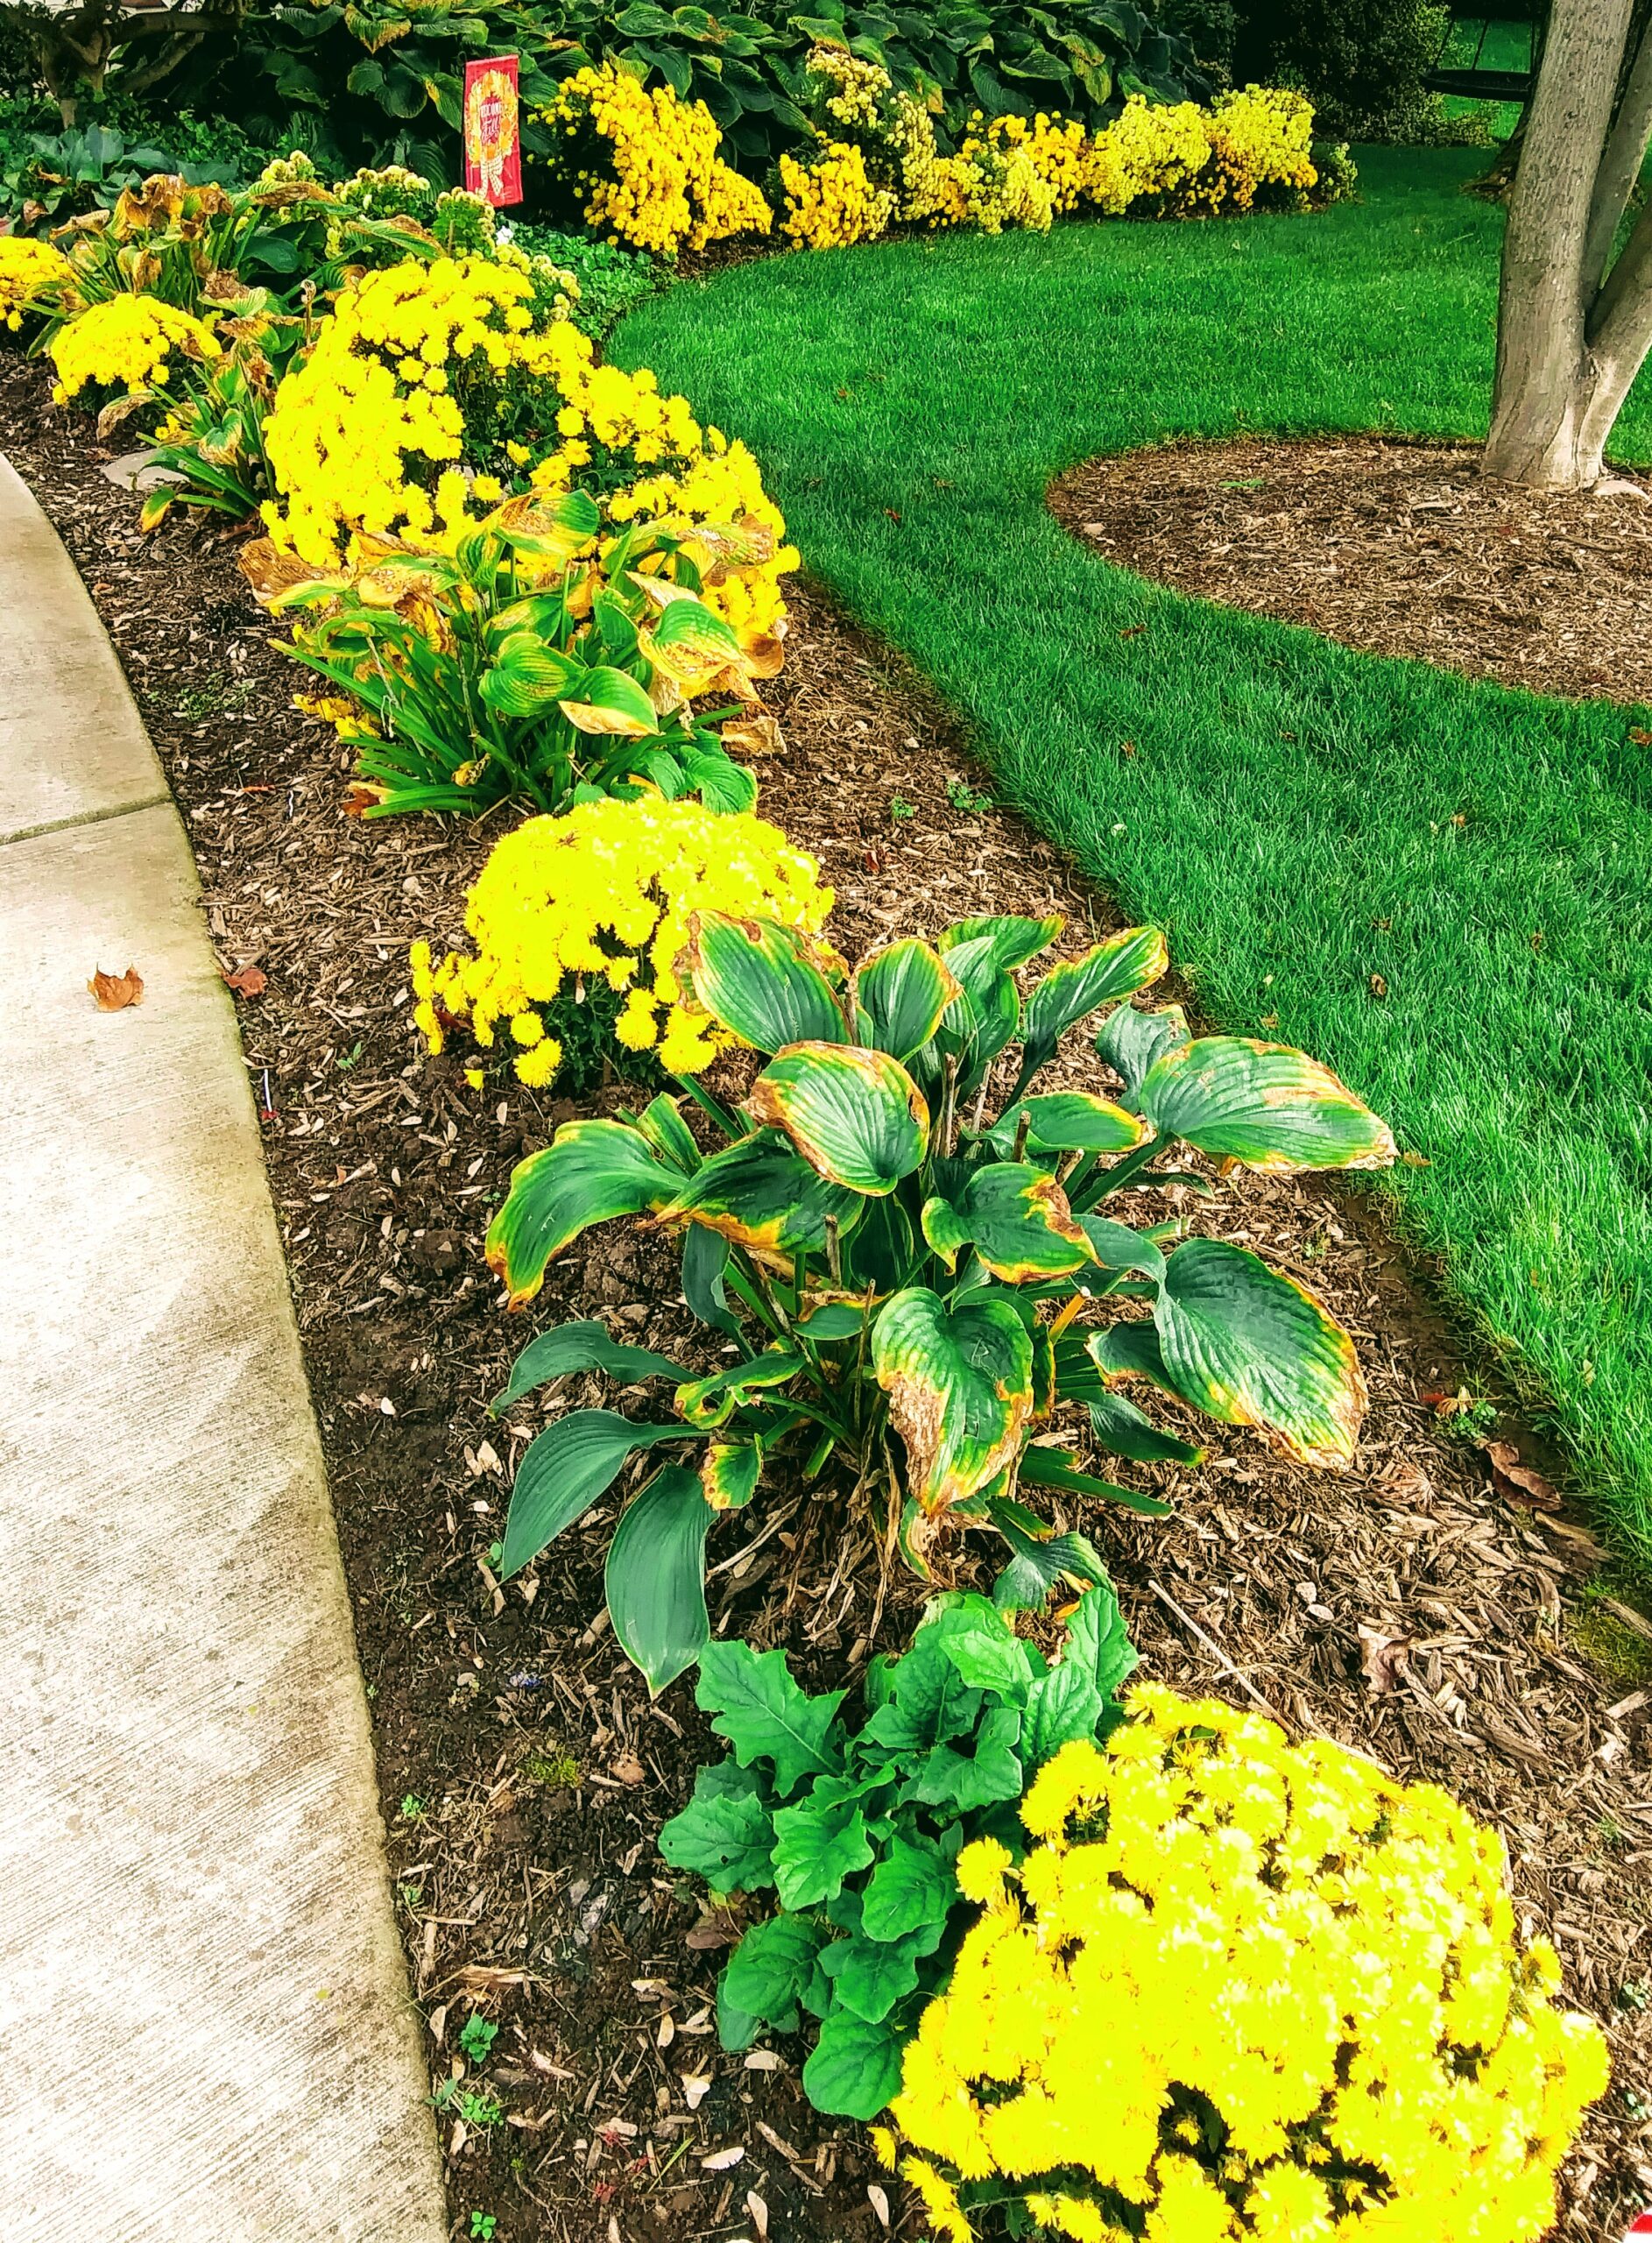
{"x": 1301, "y": 818}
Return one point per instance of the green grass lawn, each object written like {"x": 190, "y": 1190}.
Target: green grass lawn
{"x": 1291, "y": 812}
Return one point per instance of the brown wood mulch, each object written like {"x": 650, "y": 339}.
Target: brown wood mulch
{"x": 1392, "y": 547}
{"x": 1413, "y": 1608}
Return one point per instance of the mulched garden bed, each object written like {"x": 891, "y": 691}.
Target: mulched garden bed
{"x": 1418, "y": 1608}
{"x": 1392, "y": 547}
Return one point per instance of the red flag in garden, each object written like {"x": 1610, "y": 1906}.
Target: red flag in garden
{"x": 1642, "y": 2226}
{"x": 492, "y": 135}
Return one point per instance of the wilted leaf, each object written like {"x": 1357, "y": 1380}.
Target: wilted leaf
{"x": 960, "y": 1388}
{"x": 1381, "y": 1658}
{"x": 247, "y": 982}
{"x": 1513, "y": 1479}
{"x": 113, "y": 993}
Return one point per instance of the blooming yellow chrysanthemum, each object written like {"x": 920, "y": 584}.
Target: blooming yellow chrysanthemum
{"x": 33, "y": 276}
{"x": 127, "y": 342}
{"x": 644, "y": 167}
{"x": 1245, "y": 1991}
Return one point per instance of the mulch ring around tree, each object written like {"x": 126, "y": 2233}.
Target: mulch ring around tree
{"x": 1417, "y": 1608}
{"x": 1393, "y": 548}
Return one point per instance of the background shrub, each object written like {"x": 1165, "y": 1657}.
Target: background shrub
{"x": 1362, "y": 63}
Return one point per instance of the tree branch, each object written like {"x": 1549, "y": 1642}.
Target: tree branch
{"x": 1620, "y": 165}
{"x": 1623, "y": 308}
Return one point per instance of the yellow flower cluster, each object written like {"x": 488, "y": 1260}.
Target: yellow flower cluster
{"x": 32, "y": 278}
{"x": 829, "y": 201}
{"x": 127, "y": 342}
{"x": 1163, "y": 151}
{"x": 1263, "y": 136}
{"x": 644, "y": 167}
{"x": 605, "y": 896}
{"x": 1246, "y": 1990}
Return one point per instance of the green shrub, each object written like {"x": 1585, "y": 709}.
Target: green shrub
{"x": 611, "y": 280}
{"x": 1362, "y": 63}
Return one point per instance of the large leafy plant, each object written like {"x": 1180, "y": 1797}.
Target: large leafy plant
{"x": 856, "y": 1828}
{"x": 894, "y": 1211}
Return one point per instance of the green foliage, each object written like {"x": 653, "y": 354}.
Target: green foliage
{"x": 611, "y": 280}
{"x": 476, "y": 2037}
{"x": 855, "y": 1827}
{"x": 49, "y": 174}
{"x": 881, "y": 1236}
{"x": 1362, "y": 63}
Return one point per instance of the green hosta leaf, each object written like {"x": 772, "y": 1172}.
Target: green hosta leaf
{"x": 1054, "y": 1467}
{"x": 611, "y": 702}
{"x": 729, "y": 1475}
{"x": 1261, "y": 1106}
{"x": 856, "y": 1117}
{"x": 766, "y": 1717}
{"x": 902, "y": 992}
{"x": 1118, "y": 1247}
{"x": 1011, "y": 941}
{"x": 1067, "y": 1121}
{"x": 929, "y": 1701}
{"x": 654, "y": 1580}
{"x": 960, "y": 1390}
{"x": 1253, "y": 1347}
{"x": 584, "y": 1346}
{"x": 725, "y": 1833}
{"x": 563, "y": 1471}
{"x": 868, "y": 1976}
{"x": 1038, "y": 1561}
{"x": 760, "y": 1194}
{"x": 1119, "y": 1425}
{"x": 1131, "y": 1041}
{"x": 912, "y": 1890}
{"x": 707, "y": 1403}
{"x": 661, "y": 1123}
{"x": 1125, "y": 1351}
{"x": 881, "y": 1252}
{"x": 855, "y": 2068}
{"x": 705, "y": 1257}
{"x": 982, "y": 1017}
{"x": 819, "y": 1843}
{"x": 831, "y": 1322}
{"x": 589, "y": 1173}
{"x": 764, "y": 982}
{"x": 1116, "y": 968}
{"x": 992, "y": 1773}
{"x": 770, "y": 1968}
{"x": 528, "y": 675}
{"x": 1061, "y": 1706}
{"x": 1017, "y": 1219}
{"x": 1098, "y": 1641}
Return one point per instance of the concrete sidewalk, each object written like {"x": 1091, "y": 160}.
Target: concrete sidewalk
{"x": 203, "y": 2013}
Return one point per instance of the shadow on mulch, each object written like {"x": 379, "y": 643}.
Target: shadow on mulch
{"x": 1393, "y": 548}
{"x": 1406, "y": 1608}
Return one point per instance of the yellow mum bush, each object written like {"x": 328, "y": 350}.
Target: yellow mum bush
{"x": 33, "y": 276}
{"x": 597, "y": 905}
{"x": 1164, "y": 151}
{"x": 1242, "y": 1989}
{"x": 127, "y": 342}
{"x": 1263, "y": 136}
{"x": 830, "y": 202}
{"x": 643, "y": 166}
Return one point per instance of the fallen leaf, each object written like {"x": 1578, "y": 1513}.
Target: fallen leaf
{"x": 628, "y": 1769}
{"x": 1445, "y": 1405}
{"x": 1378, "y": 987}
{"x": 879, "y": 2202}
{"x": 1134, "y": 631}
{"x": 759, "y": 2213}
{"x": 755, "y": 735}
{"x": 1511, "y": 1478}
{"x": 247, "y": 982}
{"x": 1381, "y": 1658}
{"x": 717, "y": 1929}
{"x": 114, "y": 992}
{"x": 696, "y": 2085}
{"x": 765, "y": 2060}
{"x": 1639, "y": 734}
{"x": 358, "y": 800}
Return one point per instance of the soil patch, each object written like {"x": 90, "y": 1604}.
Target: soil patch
{"x": 1413, "y": 1608}
{"x": 1393, "y": 548}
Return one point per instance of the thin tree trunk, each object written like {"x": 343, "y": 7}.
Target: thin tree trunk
{"x": 1621, "y": 165}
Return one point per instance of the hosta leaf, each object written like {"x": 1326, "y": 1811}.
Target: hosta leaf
{"x": 563, "y": 1471}
{"x": 705, "y": 1257}
{"x": 880, "y": 1252}
{"x": 1253, "y": 1347}
{"x": 1129, "y": 1042}
{"x": 725, "y": 1833}
{"x": 856, "y": 1117}
{"x": 769, "y": 1969}
{"x": 901, "y": 992}
{"x": 765, "y": 1714}
{"x": 707, "y": 1402}
{"x": 1118, "y": 1247}
{"x": 983, "y": 1016}
{"x": 1011, "y": 941}
{"x": 729, "y": 1474}
{"x": 1054, "y": 1467}
{"x": 766, "y": 983}
{"x": 959, "y": 1383}
{"x": 590, "y": 1172}
{"x": 855, "y": 2068}
{"x": 1038, "y": 1561}
{"x": 584, "y": 1346}
{"x": 819, "y": 1843}
{"x": 911, "y": 1891}
{"x": 761, "y": 1193}
{"x": 655, "y": 1577}
{"x": 610, "y": 702}
{"x": 661, "y": 1123}
{"x": 1116, "y": 968}
{"x": 1119, "y": 1425}
{"x": 1017, "y": 1219}
{"x": 1124, "y": 1351}
{"x": 1067, "y": 1121}
{"x": 528, "y": 675}
{"x": 831, "y": 1322}
{"x": 1261, "y": 1106}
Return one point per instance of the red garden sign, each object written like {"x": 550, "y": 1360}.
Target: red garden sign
{"x": 492, "y": 135}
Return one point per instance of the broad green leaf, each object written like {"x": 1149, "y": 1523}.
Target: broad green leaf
{"x": 661, "y": 1123}
{"x": 880, "y": 1253}
{"x": 769, "y": 1969}
{"x": 1098, "y": 1641}
{"x": 1252, "y": 1347}
{"x": 991, "y": 1773}
{"x": 688, "y": 626}
{"x": 760, "y": 1194}
{"x": 737, "y": 2027}
{"x": 654, "y": 1578}
{"x": 1061, "y": 1706}
{"x": 707, "y": 1403}
{"x": 1054, "y": 1467}
{"x": 982, "y": 1017}
{"x": 831, "y": 1321}
{"x": 959, "y": 1383}
{"x": 1118, "y": 1247}
{"x": 764, "y": 982}
{"x": 528, "y": 675}
{"x": 986, "y": 1653}
{"x": 563, "y": 1471}
{"x": 584, "y": 1346}
{"x": 912, "y": 1889}
{"x": 819, "y": 1843}
{"x": 1124, "y": 1351}
{"x": 927, "y": 1702}
{"x": 729, "y": 1474}
{"x": 590, "y": 1172}
{"x": 1017, "y": 1219}
{"x": 725, "y": 1833}
{"x": 1131, "y": 1041}
{"x": 901, "y": 992}
{"x": 1066, "y": 1121}
{"x": 1040, "y": 1560}
{"x": 1011, "y": 941}
{"x": 766, "y": 1717}
{"x": 705, "y": 1257}
{"x": 1116, "y": 968}
{"x": 1261, "y": 1106}
{"x": 856, "y": 1117}
{"x": 869, "y": 1976}
{"x": 610, "y": 702}
{"x": 1119, "y": 1425}
{"x": 855, "y": 2068}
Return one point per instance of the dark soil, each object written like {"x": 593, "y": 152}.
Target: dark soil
{"x": 1395, "y": 548}
{"x": 1416, "y": 1608}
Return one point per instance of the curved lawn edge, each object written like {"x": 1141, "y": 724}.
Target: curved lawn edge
{"x": 1300, "y": 818}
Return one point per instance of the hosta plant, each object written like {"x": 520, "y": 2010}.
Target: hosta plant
{"x": 906, "y": 1241}
{"x": 855, "y": 1827}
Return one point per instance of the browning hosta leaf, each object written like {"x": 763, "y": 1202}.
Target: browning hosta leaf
{"x": 1067, "y": 1121}
{"x": 1253, "y": 1347}
{"x": 760, "y": 1194}
{"x": 590, "y": 1172}
{"x": 609, "y": 701}
{"x": 661, "y": 1123}
{"x": 1129, "y": 1042}
{"x": 655, "y": 1577}
{"x": 856, "y": 1117}
{"x": 764, "y": 982}
{"x": 725, "y": 1833}
{"x": 902, "y": 993}
{"x": 563, "y": 1471}
{"x": 1116, "y": 968}
{"x": 1011, "y": 941}
{"x": 1017, "y": 1219}
{"x": 765, "y": 1714}
{"x": 960, "y": 1388}
{"x": 729, "y": 1474}
{"x": 1040, "y": 1560}
{"x": 583, "y": 1346}
{"x": 706, "y": 1403}
{"x": 1261, "y": 1106}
